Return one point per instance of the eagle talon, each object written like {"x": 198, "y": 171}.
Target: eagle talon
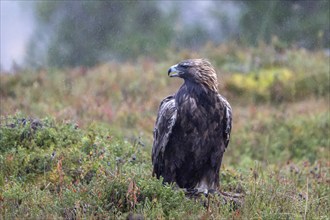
{"x": 212, "y": 191}
{"x": 204, "y": 191}
{"x": 191, "y": 191}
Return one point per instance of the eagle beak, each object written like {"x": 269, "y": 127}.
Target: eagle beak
{"x": 173, "y": 71}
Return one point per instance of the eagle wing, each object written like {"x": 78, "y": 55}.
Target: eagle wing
{"x": 226, "y": 121}
{"x": 166, "y": 118}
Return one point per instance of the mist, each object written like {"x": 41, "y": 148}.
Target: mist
{"x": 37, "y": 33}
{"x": 17, "y": 26}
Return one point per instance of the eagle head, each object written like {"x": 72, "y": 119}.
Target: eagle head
{"x": 198, "y": 71}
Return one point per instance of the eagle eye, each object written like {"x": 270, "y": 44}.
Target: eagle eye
{"x": 185, "y": 65}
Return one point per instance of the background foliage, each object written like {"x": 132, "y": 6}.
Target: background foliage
{"x": 83, "y": 33}
{"x": 304, "y": 23}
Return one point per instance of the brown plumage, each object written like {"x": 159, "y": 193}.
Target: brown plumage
{"x": 192, "y": 129}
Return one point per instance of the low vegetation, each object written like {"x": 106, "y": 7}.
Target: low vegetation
{"x": 76, "y": 143}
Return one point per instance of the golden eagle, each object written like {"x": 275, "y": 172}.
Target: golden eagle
{"x": 192, "y": 129}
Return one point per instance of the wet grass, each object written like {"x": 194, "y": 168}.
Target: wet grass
{"x": 76, "y": 143}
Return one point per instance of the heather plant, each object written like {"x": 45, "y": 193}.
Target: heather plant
{"x": 76, "y": 143}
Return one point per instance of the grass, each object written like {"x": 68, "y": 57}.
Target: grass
{"x": 76, "y": 143}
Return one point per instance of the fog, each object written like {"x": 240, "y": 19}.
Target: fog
{"x": 74, "y": 33}
{"x": 18, "y": 25}
{"x": 16, "y": 28}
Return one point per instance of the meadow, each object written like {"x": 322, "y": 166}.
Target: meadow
{"x": 76, "y": 143}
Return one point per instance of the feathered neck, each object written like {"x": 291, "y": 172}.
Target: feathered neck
{"x": 191, "y": 88}
{"x": 206, "y": 86}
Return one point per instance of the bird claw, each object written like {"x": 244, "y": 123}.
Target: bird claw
{"x": 203, "y": 190}
{"x": 199, "y": 191}
{"x": 212, "y": 191}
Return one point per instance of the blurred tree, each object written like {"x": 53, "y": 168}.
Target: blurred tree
{"x": 305, "y": 23}
{"x": 72, "y": 33}
{"x": 86, "y": 32}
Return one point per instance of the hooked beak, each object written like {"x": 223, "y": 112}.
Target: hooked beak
{"x": 173, "y": 71}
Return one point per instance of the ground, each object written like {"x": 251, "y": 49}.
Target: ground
{"x": 77, "y": 142}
